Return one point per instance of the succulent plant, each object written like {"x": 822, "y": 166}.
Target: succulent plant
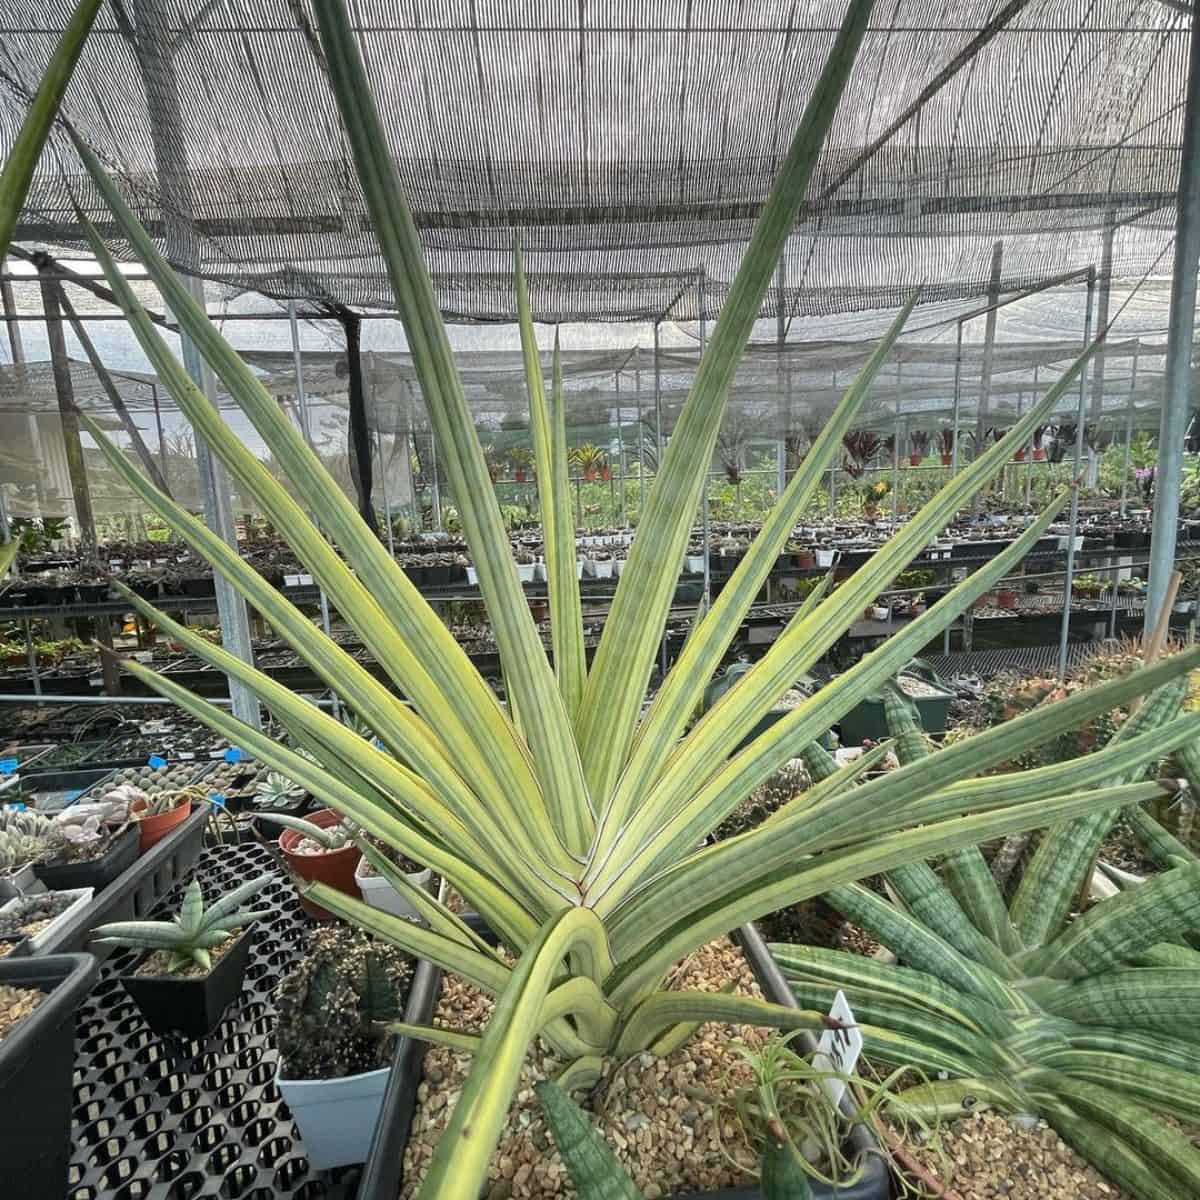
{"x": 34, "y": 910}
{"x": 333, "y": 1008}
{"x": 277, "y": 791}
{"x": 335, "y": 837}
{"x": 194, "y": 932}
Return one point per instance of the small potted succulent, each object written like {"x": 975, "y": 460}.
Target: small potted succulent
{"x": 377, "y": 889}
{"x": 918, "y": 447}
{"x": 319, "y": 849}
{"x": 335, "y": 1046}
{"x": 520, "y": 458}
{"x": 525, "y": 564}
{"x": 1039, "y": 449}
{"x": 156, "y": 814}
{"x": 946, "y": 446}
{"x": 194, "y": 965}
{"x": 600, "y": 565}
{"x": 40, "y": 915}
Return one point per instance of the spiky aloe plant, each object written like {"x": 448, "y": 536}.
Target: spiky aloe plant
{"x": 571, "y": 819}
{"x": 195, "y": 931}
{"x": 1090, "y": 1023}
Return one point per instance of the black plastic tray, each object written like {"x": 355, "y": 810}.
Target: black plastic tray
{"x": 384, "y": 1169}
{"x": 134, "y": 894}
{"x": 36, "y": 1061}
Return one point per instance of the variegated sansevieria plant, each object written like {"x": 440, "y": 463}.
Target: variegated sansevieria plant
{"x": 569, "y": 818}
{"x": 1091, "y": 1023}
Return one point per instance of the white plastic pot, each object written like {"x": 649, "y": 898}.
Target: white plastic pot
{"x": 539, "y": 572}
{"x": 619, "y": 566}
{"x": 694, "y": 564}
{"x": 525, "y": 572}
{"x": 825, "y": 558}
{"x": 39, "y": 941}
{"x": 472, "y": 576}
{"x": 579, "y": 568}
{"x": 336, "y": 1117}
{"x": 600, "y": 569}
{"x": 881, "y": 612}
{"x": 379, "y": 893}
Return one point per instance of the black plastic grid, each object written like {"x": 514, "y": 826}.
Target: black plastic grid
{"x": 172, "y": 1119}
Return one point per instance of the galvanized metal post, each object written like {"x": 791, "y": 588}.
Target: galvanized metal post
{"x": 1081, "y": 416}
{"x": 957, "y": 401}
{"x": 620, "y": 450}
{"x": 162, "y": 441}
{"x": 1097, "y": 405}
{"x": 641, "y": 437}
{"x": 1029, "y": 455}
{"x": 658, "y": 434}
{"x": 1129, "y": 426}
{"x": 387, "y": 504}
{"x": 897, "y": 442}
{"x": 1180, "y": 332}
{"x": 151, "y": 39}
{"x": 10, "y": 313}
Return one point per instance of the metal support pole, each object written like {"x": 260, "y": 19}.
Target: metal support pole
{"x": 641, "y": 433}
{"x": 1081, "y": 416}
{"x": 1129, "y": 427}
{"x": 983, "y": 407}
{"x": 162, "y": 441}
{"x": 14, "y": 327}
{"x": 1180, "y": 332}
{"x": 69, "y": 416}
{"x": 1097, "y": 405}
{"x": 1029, "y": 455}
{"x": 620, "y": 450}
{"x": 31, "y": 657}
{"x": 897, "y": 445}
{"x": 150, "y": 39}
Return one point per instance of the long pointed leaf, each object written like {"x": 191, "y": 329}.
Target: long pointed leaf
{"x": 624, "y": 658}
{"x": 35, "y": 129}
{"x": 548, "y": 425}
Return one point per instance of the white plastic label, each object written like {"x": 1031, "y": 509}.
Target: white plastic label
{"x": 838, "y": 1049}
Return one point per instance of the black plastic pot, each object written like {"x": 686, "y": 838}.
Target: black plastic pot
{"x": 100, "y": 872}
{"x": 199, "y": 587}
{"x": 383, "y": 1172}
{"x": 191, "y": 1008}
{"x": 36, "y": 1065}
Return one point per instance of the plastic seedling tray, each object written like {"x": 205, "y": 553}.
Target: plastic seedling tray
{"x": 197, "y": 1119}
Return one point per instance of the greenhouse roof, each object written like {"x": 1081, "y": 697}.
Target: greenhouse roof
{"x": 628, "y": 146}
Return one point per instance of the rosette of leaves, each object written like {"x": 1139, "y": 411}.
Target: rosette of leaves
{"x": 1088, "y": 1021}
{"x": 333, "y": 1009}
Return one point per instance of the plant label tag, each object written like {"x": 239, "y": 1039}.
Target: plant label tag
{"x": 838, "y": 1049}
{"x": 234, "y": 755}
{"x": 156, "y": 761}
{"x": 186, "y": 755}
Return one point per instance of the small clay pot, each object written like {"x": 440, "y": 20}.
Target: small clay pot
{"x": 152, "y": 829}
{"x": 334, "y": 867}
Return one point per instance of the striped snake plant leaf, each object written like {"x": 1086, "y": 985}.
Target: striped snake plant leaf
{"x": 625, "y": 656}
{"x": 1162, "y": 845}
{"x": 593, "y": 1167}
{"x": 548, "y": 727}
{"x": 1159, "y": 999}
{"x": 1135, "y": 1172}
{"x": 8, "y": 555}
{"x": 22, "y": 160}
{"x": 710, "y": 638}
{"x": 1165, "y": 908}
{"x": 547, "y": 423}
{"x": 1173, "y": 1090}
{"x": 1065, "y": 856}
{"x": 377, "y": 598}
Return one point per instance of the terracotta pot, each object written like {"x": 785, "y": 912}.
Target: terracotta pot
{"x": 334, "y": 867}
{"x": 606, "y": 473}
{"x": 1039, "y": 455}
{"x": 589, "y": 476}
{"x": 154, "y": 828}
{"x": 1006, "y": 599}
{"x": 1019, "y": 455}
{"x": 915, "y": 460}
{"x": 519, "y": 476}
{"x": 806, "y": 559}
{"x": 947, "y": 459}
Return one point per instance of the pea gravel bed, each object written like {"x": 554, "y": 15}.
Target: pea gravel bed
{"x": 657, "y": 1113}
{"x": 988, "y": 1157}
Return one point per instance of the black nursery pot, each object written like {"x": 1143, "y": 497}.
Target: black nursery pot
{"x": 192, "y": 1007}
{"x": 100, "y": 872}
{"x": 203, "y": 586}
{"x": 37, "y": 1060}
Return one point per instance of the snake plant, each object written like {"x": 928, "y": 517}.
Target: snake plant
{"x": 194, "y": 932}
{"x": 1089, "y": 1023}
{"x": 569, "y": 818}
